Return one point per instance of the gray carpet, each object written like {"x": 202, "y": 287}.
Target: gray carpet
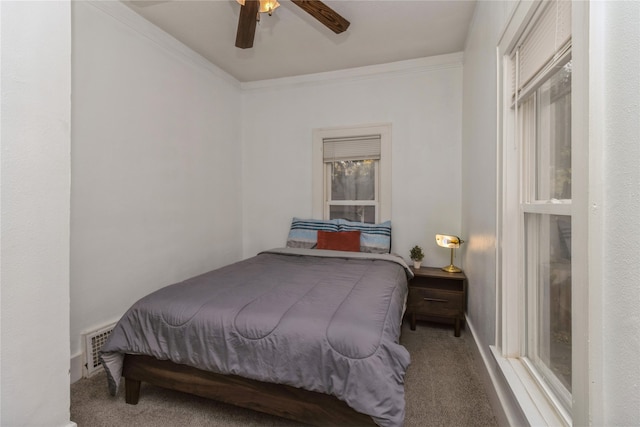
{"x": 442, "y": 389}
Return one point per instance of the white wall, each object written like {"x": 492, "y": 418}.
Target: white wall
{"x": 421, "y": 99}
{"x": 615, "y": 93}
{"x": 156, "y": 161}
{"x": 34, "y": 188}
{"x": 479, "y": 197}
{"x": 479, "y": 165}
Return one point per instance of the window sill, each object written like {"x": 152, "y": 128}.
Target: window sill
{"x": 533, "y": 401}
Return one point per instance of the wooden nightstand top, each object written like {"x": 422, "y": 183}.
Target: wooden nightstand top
{"x": 437, "y": 273}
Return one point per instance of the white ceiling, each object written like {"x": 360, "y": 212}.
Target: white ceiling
{"x": 291, "y": 42}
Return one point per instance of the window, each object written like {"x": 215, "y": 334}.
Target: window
{"x": 351, "y": 178}
{"x": 352, "y": 190}
{"x": 545, "y": 117}
{"x": 540, "y": 221}
{"x": 351, "y": 173}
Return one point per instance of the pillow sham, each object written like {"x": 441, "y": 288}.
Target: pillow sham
{"x": 374, "y": 238}
{"x": 304, "y": 232}
{"x": 339, "y": 240}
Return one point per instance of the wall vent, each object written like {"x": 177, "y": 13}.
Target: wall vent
{"x": 93, "y": 342}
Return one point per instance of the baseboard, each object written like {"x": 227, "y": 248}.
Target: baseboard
{"x": 75, "y": 367}
{"x": 505, "y": 407}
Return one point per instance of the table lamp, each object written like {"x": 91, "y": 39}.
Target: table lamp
{"x": 448, "y": 241}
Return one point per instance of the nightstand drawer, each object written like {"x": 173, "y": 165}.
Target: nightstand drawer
{"x": 435, "y": 302}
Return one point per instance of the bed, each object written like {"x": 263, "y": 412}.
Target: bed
{"x": 304, "y": 333}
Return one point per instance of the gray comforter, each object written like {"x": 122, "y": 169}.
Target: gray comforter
{"x": 319, "y": 320}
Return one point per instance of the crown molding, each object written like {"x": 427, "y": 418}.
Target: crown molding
{"x": 411, "y": 66}
{"x": 160, "y": 38}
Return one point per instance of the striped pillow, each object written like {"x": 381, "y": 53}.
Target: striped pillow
{"x": 304, "y": 232}
{"x": 374, "y": 238}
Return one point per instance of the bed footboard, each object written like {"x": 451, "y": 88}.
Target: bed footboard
{"x": 275, "y": 399}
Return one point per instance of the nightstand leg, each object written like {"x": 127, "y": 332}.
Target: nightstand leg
{"x": 457, "y": 328}
{"x": 413, "y": 322}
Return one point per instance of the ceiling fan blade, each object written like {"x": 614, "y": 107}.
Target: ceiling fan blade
{"x": 247, "y": 24}
{"x": 323, "y": 13}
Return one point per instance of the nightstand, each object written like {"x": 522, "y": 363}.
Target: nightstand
{"x": 437, "y": 296}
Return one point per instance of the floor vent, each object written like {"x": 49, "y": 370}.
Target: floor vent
{"x": 94, "y": 341}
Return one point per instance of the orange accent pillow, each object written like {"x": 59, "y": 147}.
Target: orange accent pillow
{"x": 339, "y": 240}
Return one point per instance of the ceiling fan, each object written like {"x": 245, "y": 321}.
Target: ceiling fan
{"x": 250, "y": 9}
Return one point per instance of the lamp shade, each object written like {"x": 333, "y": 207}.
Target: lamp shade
{"x": 267, "y": 6}
{"x": 448, "y": 241}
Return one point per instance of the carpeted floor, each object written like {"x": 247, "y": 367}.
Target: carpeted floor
{"x": 442, "y": 388}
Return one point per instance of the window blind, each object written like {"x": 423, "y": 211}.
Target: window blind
{"x": 543, "y": 48}
{"x": 352, "y": 148}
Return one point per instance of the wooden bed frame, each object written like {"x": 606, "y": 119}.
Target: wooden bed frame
{"x": 276, "y": 399}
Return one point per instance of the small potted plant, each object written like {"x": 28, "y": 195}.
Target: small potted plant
{"x": 417, "y": 256}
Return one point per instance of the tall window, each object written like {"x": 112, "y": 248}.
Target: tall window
{"x": 537, "y": 265}
{"x": 545, "y": 116}
{"x": 352, "y": 173}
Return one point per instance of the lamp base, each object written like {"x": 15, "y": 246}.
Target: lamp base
{"x": 451, "y": 269}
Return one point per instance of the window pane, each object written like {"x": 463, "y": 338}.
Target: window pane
{"x": 353, "y": 180}
{"x": 553, "y": 148}
{"x": 548, "y": 240}
{"x": 353, "y": 213}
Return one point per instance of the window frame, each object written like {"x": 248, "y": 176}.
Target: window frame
{"x": 535, "y": 207}
{"x": 532, "y": 206}
{"x": 383, "y": 167}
